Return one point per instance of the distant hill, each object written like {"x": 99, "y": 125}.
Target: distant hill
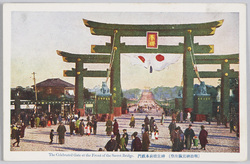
{"x": 163, "y": 93}
{"x": 132, "y": 93}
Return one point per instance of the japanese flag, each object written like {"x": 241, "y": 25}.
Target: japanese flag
{"x": 155, "y": 62}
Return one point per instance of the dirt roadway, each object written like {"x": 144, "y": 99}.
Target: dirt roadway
{"x": 220, "y": 140}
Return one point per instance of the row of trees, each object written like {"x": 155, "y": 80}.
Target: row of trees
{"x": 28, "y": 93}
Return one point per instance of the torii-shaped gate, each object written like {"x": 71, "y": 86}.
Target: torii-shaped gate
{"x": 115, "y": 47}
{"x": 225, "y": 73}
{"x": 188, "y": 31}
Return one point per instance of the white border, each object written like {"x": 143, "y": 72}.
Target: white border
{"x": 125, "y": 7}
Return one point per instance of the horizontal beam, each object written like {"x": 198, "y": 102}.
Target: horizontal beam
{"x": 86, "y": 58}
{"x": 150, "y": 27}
{"x": 217, "y": 59}
{"x": 72, "y": 73}
{"x": 161, "y": 49}
{"x": 141, "y": 33}
{"x": 95, "y": 74}
{"x": 206, "y": 74}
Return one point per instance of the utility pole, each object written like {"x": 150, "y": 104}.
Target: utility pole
{"x": 34, "y": 78}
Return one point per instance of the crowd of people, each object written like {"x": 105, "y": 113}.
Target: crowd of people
{"x": 118, "y": 142}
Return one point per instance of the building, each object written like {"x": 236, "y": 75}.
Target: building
{"x": 55, "y": 87}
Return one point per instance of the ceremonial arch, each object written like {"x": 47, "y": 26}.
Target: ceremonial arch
{"x": 110, "y": 53}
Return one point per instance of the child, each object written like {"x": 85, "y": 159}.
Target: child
{"x": 156, "y": 134}
{"x": 88, "y": 128}
{"x": 51, "y": 136}
{"x": 196, "y": 141}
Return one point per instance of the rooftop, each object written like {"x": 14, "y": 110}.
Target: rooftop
{"x": 55, "y": 82}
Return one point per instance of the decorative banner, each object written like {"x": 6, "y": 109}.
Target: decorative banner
{"x": 152, "y": 40}
{"x": 152, "y": 62}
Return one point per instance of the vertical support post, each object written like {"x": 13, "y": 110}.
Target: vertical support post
{"x": 115, "y": 81}
{"x": 188, "y": 73}
{"x": 79, "y": 99}
{"x": 225, "y": 90}
{"x": 17, "y": 106}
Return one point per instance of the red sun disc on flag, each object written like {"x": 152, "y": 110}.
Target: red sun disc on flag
{"x": 141, "y": 58}
{"x": 159, "y": 58}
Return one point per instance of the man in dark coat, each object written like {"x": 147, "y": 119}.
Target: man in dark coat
{"x": 172, "y": 126}
{"x": 72, "y": 126}
{"x": 136, "y": 146}
{"x": 146, "y": 122}
{"x": 118, "y": 140}
{"x": 175, "y": 138}
{"x": 55, "y": 119}
{"x": 111, "y": 144}
{"x": 94, "y": 126}
{"x": 17, "y": 136}
{"x": 81, "y": 127}
{"x": 32, "y": 121}
{"x": 126, "y": 136}
{"x": 115, "y": 127}
{"x": 61, "y": 132}
{"x": 109, "y": 127}
{"x": 189, "y": 134}
{"x": 22, "y": 130}
{"x": 203, "y": 137}
{"x": 145, "y": 141}
{"x": 151, "y": 124}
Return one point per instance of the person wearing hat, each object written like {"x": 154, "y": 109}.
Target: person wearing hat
{"x": 61, "y": 132}
{"x": 111, "y": 144}
{"x": 109, "y": 127}
{"x": 126, "y": 137}
{"x": 136, "y": 145}
{"x": 115, "y": 127}
{"x": 189, "y": 134}
{"x": 151, "y": 125}
{"x": 146, "y": 122}
{"x": 72, "y": 126}
{"x": 172, "y": 126}
{"x": 203, "y": 137}
{"x": 81, "y": 127}
{"x": 175, "y": 138}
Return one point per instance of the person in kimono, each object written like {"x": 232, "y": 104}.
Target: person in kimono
{"x": 111, "y": 144}
{"x": 175, "y": 138}
{"x": 137, "y": 145}
{"x": 203, "y": 137}
{"x": 145, "y": 141}
{"x": 115, "y": 127}
{"x": 123, "y": 143}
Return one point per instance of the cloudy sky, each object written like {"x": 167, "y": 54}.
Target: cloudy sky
{"x": 35, "y": 37}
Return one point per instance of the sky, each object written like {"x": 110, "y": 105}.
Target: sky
{"x": 35, "y": 37}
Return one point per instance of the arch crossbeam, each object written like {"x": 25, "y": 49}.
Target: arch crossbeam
{"x": 201, "y": 49}
{"x": 200, "y": 29}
